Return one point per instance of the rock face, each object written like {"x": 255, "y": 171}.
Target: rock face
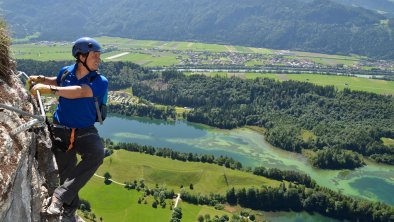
{"x": 28, "y": 171}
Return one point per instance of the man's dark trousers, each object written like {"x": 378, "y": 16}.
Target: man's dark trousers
{"x": 73, "y": 175}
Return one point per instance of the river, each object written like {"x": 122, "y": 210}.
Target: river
{"x": 374, "y": 181}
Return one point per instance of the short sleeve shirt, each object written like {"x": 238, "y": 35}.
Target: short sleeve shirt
{"x": 80, "y": 112}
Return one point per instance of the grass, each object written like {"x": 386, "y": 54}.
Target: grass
{"x": 42, "y": 53}
{"x": 307, "y": 135}
{"x": 179, "y": 111}
{"x": 115, "y": 203}
{"x": 148, "y": 59}
{"x": 326, "y": 59}
{"x": 128, "y": 166}
{"x": 340, "y": 82}
{"x": 320, "y": 55}
{"x": 334, "y": 61}
{"x": 258, "y": 129}
{"x": 31, "y": 51}
{"x": 191, "y": 212}
{"x": 148, "y": 53}
{"x": 388, "y": 141}
{"x": 254, "y": 75}
{"x": 208, "y": 47}
{"x": 210, "y": 74}
{"x": 124, "y": 205}
{"x": 262, "y": 50}
{"x": 27, "y": 38}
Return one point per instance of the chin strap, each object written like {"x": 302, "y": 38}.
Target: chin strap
{"x": 86, "y": 65}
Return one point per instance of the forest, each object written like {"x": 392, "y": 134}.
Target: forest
{"x": 318, "y": 26}
{"x": 346, "y": 120}
{"x": 296, "y": 115}
{"x": 297, "y": 198}
{"x": 301, "y": 193}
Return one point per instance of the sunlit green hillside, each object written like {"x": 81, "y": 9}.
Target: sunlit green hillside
{"x": 129, "y": 166}
{"x": 115, "y": 203}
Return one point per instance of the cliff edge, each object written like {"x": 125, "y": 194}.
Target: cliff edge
{"x": 28, "y": 171}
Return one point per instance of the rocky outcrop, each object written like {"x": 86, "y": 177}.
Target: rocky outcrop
{"x": 27, "y": 168}
{"x": 28, "y": 172}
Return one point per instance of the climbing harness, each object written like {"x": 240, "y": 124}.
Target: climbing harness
{"x": 72, "y": 137}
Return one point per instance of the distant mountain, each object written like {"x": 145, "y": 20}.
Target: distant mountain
{"x": 385, "y": 7}
{"x": 319, "y": 25}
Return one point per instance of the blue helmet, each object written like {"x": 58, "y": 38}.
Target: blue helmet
{"x": 85, "y": 45}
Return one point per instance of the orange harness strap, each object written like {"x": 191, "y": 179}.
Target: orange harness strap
{"x": 71, "y": 139}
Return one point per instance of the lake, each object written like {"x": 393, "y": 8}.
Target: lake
{"x": 374, "y": 181}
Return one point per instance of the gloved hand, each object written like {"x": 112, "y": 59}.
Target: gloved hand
{"x": 43, "y": 89}
{"x": 35, "y": 80}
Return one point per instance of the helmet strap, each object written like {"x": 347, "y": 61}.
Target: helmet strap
{"x": 84, "y": 63}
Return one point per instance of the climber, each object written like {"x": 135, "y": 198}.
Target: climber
{"x": 79, "y": 87}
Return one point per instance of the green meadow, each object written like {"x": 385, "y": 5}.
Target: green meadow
{"x": 129, "y": 166}
{"x": 326, "y": 59}
{"x": 150, "y": 53}
{"x": 340, "y": 82}
{"x": 116, "y": 45}
{"x": 191, "y": 212}
{"x": 42, "y": 52}
{"x": 388, "y": 141}
{"x": 115, "y": 203}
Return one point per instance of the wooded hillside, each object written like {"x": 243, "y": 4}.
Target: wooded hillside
{"x": 319, "y": 26}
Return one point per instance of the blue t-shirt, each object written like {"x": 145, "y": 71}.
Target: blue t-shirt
{"x": 81, "y": 112}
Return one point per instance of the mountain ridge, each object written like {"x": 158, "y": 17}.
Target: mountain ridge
{"x": 317, "y": 26}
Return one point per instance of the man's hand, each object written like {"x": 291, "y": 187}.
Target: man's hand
{"x": 35, "y": 80}
{"x": 43, "y": 89}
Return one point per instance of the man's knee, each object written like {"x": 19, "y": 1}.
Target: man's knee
{"x": 93, "y": 158}
{"x": 99, "y": 157}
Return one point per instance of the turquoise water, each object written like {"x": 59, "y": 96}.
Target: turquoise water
{"x": 374, "y": 181}
{"x": 296, "y": 217}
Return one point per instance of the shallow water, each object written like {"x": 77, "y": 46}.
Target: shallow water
{"x": 296, "y": 217}
{"x": 374, "y": 181}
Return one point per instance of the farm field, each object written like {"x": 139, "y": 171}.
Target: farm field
{"x": 61, "y": 51}
{"x": 340, "y": 82}
{"x": 114, "y": 45}
{"x": 151, "y": 53}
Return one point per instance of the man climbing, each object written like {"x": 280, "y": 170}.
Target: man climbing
{"x": 80, "y": 88}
